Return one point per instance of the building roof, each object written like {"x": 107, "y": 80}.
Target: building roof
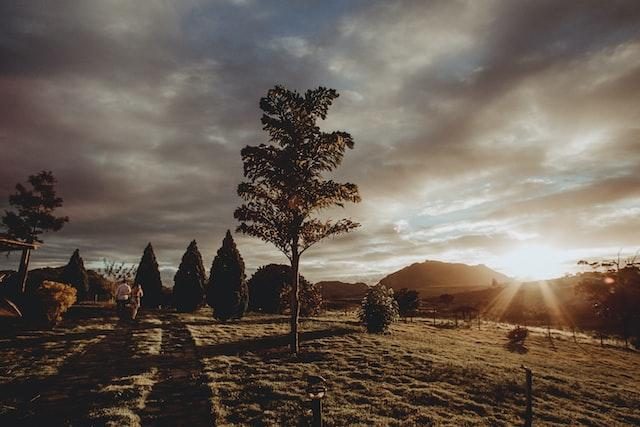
{"x": 7, "y": 244}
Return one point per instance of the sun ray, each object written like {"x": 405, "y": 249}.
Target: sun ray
{"x": 499, "y": 305}
{"x": 551, "y": 303}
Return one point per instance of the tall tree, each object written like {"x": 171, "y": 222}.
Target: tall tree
{"x": 188, "y": 288}
{"x": 285, "y": 186}
{"x": 148, "y": 276}
{"x": 227, "y": 292}
{"x": 75, "y": 274}
{"x": 35, "y": 207}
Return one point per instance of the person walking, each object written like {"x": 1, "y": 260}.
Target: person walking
{"x": 123, "y": 293}
{"x": 136, "y": 299}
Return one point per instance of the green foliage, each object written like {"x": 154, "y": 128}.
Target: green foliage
{"x": 285, "y": 183}
{"x": 270, "y": 291}
{"x": 52, "y": 300}
{"x": 227, "y": 292}
{"x": 35, "y": 207}
{"x": 75, "y": 275}
{"x": 379, "y": 309}
{"x": 188, "y": 288}
{"x": 148, "y": 276}
{"x": 408, "y": 302}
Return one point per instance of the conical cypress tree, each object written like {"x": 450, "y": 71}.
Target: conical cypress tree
{"x": 148, "y": 276}
{"x": 75, "y": 275}
{"x": 227, "y": 292}
{"x": 188, "y": 288}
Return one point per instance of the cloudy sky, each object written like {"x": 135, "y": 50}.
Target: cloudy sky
{"x": 496, "y": 132}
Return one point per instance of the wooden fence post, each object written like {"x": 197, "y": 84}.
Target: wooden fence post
{"x": 23, "y": 269}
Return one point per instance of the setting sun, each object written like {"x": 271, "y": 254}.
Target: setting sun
{"x": 532, "y": 262}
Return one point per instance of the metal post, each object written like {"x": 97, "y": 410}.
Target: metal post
{"x": 528, "y": 414}
{"x": 316, "y": 407}
{"x": 316, "y": 389}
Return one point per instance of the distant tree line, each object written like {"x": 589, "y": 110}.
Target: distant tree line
{"x": 614, "y": 292}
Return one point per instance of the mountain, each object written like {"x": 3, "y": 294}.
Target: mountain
{"x": 333, "y": 290}
{"x": 435, "y": 278}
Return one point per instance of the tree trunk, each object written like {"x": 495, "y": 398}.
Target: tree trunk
{"x": 295, "y": 301}
{"x": 625, "y": 332}
{"x": 23, "y": 270}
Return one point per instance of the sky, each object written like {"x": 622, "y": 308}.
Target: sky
{"x": 498, "y": 132}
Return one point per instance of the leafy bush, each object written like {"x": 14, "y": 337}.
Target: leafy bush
{"x": 517, "y": 335}
{"x": 310, "y": 299}
{"x": 270, "y": 291}
{"x": 51, "y": 300}
{"x": 379, "y": 309}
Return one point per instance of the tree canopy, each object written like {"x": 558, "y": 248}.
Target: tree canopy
{"x": 75, "y": 274}
{"x": 285, "y": 184}
{"x": 35, "y": 207}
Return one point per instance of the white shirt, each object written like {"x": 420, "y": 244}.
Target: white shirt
{"x": 123, "y": 292}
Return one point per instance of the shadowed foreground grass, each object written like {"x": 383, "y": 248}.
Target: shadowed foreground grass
{"x": 177, "y": 369}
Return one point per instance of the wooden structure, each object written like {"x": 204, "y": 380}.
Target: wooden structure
{"x": 10, "y": 245}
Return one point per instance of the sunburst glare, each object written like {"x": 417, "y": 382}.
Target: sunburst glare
{"x": 532, "y": 262}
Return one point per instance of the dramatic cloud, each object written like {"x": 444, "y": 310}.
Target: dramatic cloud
{"x": 482, "y": 128}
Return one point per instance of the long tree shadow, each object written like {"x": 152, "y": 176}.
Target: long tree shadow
{"x": 31, "y": 342}
{"x": 79, "y": 389}
{"x": 268, "y": 343}
{"x": 516, "y": 347}
{"x": 67, "y": 397}
{"x": 181, "y": 395}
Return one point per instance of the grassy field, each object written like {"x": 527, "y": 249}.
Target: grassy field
{"x": 177, "y": 369}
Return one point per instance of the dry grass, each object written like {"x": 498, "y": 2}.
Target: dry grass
{"x": 417, "y": 375}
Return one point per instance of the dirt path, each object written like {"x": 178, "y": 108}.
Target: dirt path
{"x": 145, "y": 373}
